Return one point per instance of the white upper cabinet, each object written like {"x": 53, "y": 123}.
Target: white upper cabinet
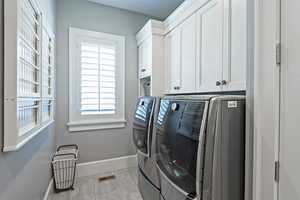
{"x": 210, "y": 43}
{"x": 151, "y": 62}
{"x": 205, "y": 48}
{"x": 235, "y": 45}
{"x": 207, "y": 51}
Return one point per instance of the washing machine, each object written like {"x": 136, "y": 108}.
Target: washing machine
{"x": 201, "y": 148}
{"x": 144, "y": 139}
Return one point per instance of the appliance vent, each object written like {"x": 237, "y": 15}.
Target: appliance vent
{"x": 107, "y": 178}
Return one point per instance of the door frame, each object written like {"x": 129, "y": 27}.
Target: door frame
{"x": 287, "y": 51}
{"x": 266, "y": 98}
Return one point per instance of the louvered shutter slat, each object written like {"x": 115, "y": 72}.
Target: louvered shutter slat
{"x": 98, "y": 80}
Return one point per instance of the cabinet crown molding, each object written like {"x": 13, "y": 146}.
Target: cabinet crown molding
{"x": 179, "y": 15}
{"x": 152, "y": 27}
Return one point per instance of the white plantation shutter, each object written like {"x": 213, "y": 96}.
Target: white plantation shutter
{"x": 26, "y": 65}
{"x": 98, "y": 78}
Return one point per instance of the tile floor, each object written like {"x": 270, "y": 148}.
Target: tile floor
{"x": 124, "y": 187}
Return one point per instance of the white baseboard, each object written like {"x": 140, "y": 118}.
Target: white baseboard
{"x": 49, "y": 190}
{"x": 104, "y": 166}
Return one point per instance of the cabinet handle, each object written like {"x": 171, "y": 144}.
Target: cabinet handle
{"x": 176, "y": 88}
{"x": 224, "y": 82}
{"x": 218, "y": 83}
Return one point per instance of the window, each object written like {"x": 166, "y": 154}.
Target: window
{"x": 96, "y": 80}
{"x": 29, "y": 55}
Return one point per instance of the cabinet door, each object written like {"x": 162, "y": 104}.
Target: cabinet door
{"x": 167, "y": 41}
{"x": 141, "y": 60}
{"x": 145, "y": 58}
{"x": 188, "y": 55}
{"x": 147, "y": 55}
{"x": 235, "y": 45}
{"x": 210, "y": 39}
{"x": 140, "y": 52}
{"x": 174, "y": 59}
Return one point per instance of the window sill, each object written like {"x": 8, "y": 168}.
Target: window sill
{"x": 95, "y": 125}
{"x": 31, "y": 135}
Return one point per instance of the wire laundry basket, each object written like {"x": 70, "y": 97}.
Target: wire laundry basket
{"x": 64, "y": 166}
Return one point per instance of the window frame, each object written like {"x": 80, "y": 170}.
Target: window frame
{"x": 78, "y": 122}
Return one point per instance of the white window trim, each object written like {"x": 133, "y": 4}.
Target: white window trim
{"x": 76, "y": 123}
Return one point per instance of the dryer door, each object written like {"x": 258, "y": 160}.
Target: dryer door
{"x": 142, "y": 124}
{"x": 179, "y": 129}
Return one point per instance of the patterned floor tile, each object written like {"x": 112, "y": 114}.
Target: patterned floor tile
{"x": 123, "y": 187}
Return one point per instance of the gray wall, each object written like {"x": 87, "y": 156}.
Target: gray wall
{"x": 102, "y": 144}
{"x": 49, "y": 9}
{"x": 25, "y": 175}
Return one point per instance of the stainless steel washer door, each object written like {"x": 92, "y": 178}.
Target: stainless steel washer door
{"x": 142, "y": 124}
{"x": 178, "y": 140}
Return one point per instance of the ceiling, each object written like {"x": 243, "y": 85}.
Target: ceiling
{"x": 159, "y": 9}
